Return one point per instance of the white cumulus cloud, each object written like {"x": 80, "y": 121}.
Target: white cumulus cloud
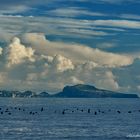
{"x": 17, "y": 53}
{"x": 62, "y": 64}
{"x": 77, "y": 53}
{"x": 35, "y": 63}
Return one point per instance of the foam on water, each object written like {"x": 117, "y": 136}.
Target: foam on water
{"x": 133, "y": 136}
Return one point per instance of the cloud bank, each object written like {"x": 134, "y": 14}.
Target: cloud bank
{"x": 77, "y": 53}
{"x": 31, "y": 62}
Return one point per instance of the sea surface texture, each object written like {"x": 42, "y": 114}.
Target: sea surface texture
{"x": 69, "y": 119}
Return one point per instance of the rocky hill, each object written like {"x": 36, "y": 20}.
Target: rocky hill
{"x": 77, "y": 91}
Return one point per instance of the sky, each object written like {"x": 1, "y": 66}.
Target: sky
{"x": 48, "y": 44}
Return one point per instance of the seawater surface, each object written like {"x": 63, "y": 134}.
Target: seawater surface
{"x": 62, "y": 119}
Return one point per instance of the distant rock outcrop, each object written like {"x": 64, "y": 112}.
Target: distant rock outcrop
{"x": 77, "y": 91}
{"x": 87, "y": 91}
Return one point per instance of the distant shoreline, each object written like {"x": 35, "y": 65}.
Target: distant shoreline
{"x": 76, "y": 91}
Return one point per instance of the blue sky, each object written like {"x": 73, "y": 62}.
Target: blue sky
{"x": 65, "y": 15}
{"x": 108, "y": 27}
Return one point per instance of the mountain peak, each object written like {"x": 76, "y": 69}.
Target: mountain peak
{"x": 84, "y": 87}
{"x": 89, "y": 91}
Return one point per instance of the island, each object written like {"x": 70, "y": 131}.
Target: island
{"x": 76, "y": 91}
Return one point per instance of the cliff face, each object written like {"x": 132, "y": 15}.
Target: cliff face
{"x": 87, "y": 91}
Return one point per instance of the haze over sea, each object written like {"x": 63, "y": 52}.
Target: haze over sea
{"x": 55, "y": 119}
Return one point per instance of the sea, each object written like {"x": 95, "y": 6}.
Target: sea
{"x": 69, "y": 119}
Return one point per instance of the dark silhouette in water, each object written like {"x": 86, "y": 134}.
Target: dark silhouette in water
{"x": 30, "y": 112}
{"x": 63, "y": 112}
{"x": 118, "y": 111}
{"x": 88, "y": 110}
{"x": 42, "y": 109}
{"x": 8, "y": 110}
{"x": 33, "y": 113}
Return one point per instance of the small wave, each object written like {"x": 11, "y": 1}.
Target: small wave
{"x": 22, "y": 129}
{"x": 133, "y": 136}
